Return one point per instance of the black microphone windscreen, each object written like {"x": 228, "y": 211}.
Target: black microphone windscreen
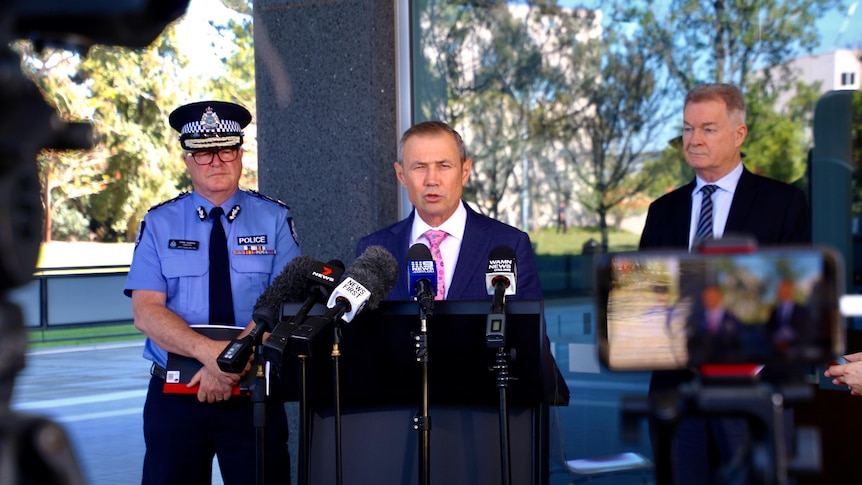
{"x": 502, "y": 252}
{"x": 419, "y": 252}
{"x": 377, "y": 270}
{"x": 291, "y": 285}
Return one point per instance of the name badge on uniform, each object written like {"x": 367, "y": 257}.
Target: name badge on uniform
{"x": 183, "y": 244}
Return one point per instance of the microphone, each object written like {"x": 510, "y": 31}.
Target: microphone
{"x": 322, "y": 278}
{"x": 422, "y": 277}
{"x": 371, "y": 276}
{"x": 289, "y": 284}
{"x": 501, "y": 280}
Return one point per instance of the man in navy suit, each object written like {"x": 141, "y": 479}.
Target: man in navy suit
{"x": 790, "y": 325}
{"x": 742, "y": 203}
{"x": 433, "y": 166}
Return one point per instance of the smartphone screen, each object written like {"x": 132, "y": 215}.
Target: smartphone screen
{"x": 675, "y": 310}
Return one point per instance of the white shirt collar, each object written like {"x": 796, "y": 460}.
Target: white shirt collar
{"x": 727, "y": 183}
{"x": 454, "y": 225}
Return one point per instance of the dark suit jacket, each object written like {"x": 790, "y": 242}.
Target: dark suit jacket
{"x": 724, "y": 345}
{"x": 799, "y": 322}
{"x": 771, "y": 211}
{"x": 481, "y": 235}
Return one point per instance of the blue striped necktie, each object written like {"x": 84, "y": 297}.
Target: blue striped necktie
{"x": 704, "y": 223}
{"x": 221, "y": 299}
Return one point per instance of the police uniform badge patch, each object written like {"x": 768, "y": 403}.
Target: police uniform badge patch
{"x": 141, "y": 227}
{"x": 293, "y": 230}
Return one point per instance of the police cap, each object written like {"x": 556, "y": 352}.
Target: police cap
{"x": 210, "y": 124}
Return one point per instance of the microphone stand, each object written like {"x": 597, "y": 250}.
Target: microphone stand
{"x": 258, "y": 399}
{"x": 422, "y": 421}
{"x": 336, "y": 353}
{"x": 303, "y": 420}
{"x": 233, "y": 359}
{"x": 495, "y": 337}
{"x": 301, "y": 339}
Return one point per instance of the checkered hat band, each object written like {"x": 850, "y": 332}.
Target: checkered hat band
{"x": 223, "y": 126}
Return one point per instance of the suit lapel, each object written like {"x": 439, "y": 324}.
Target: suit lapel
{"x": 742, "y": 204}
{"x": 472, "y": 256}
{"x": 401, "y": 236}
{"x": 681, "y": 222}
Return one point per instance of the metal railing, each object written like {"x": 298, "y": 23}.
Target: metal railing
{"x": 76, "y": 303}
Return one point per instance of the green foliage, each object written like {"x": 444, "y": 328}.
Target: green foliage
{"x": 102, "y": 194}
{"x": 775, "y": 145}
{"x": 725, "y": 40}
{"x": 548, "y": 242}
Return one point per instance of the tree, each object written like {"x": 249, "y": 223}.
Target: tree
{"x": 131, "y": 94}
{"x": 127, "y": 94}
{"x": 617, "y": 108}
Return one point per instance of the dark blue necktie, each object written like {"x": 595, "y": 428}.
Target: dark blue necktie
{"x": 221, "y": 300}
{"x": 704, "y": 224}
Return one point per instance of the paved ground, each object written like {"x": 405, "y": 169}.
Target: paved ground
{"x": 97, "y": 393}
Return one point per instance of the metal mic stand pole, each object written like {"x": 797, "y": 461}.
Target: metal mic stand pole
{"x": 503, "y": 378}
{"x": 422, "y": 421}
{"x": 336, "y": 353}
{"x": 303, "y": 421}
{"x": 495, "y": 337}
{"x": 258, "y": 398}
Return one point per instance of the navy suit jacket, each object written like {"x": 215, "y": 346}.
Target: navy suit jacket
{"x": 481, "y": 235}
{"x": 771, "y": 211}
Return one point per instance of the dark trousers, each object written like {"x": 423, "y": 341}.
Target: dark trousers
{"x": 182, "y": 435}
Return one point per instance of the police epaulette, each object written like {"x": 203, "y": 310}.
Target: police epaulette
{"x": 182, "y": 195}
{"x": 266, "y": 197}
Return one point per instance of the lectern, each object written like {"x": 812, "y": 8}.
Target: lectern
{"x": 380, "y": 389}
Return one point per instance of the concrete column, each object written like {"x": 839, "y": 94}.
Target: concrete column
{"x": 327, "y": 133}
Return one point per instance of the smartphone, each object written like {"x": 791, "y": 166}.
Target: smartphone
{"x": 663, "y": 310}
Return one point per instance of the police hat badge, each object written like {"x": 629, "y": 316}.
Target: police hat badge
{"x": 210, "y": 124}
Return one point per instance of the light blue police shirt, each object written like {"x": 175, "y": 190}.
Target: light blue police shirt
{"x": 172, "y": 255}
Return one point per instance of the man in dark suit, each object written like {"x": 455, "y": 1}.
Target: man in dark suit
{"x": 790, "y": 324}
{"x": 713, "y": 330}
{"x": 433, "y": 167}
{"x": 727, "y": 199}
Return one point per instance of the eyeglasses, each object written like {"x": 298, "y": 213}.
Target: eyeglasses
{"x": 206, "y": 157}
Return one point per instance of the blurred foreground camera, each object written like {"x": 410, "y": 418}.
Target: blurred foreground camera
{"x": 35, "y": 450}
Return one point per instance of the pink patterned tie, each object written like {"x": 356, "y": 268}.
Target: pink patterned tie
{"x": 435, "y": 238}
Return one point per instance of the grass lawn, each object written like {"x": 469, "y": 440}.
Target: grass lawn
{"x": 549, "y": 242}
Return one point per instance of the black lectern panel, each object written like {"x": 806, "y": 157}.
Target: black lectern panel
{"x": 378, "y": 359}
{"x": 381, "y": 390}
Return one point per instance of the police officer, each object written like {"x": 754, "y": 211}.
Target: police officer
{"x": 181, "y": 275}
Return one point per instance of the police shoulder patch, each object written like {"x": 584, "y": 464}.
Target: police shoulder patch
{"x": 266, "y": 197}
{"x": 293, "y": 230}
{"x": 141, "y": 227}
{"x": 170, "y": 201}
